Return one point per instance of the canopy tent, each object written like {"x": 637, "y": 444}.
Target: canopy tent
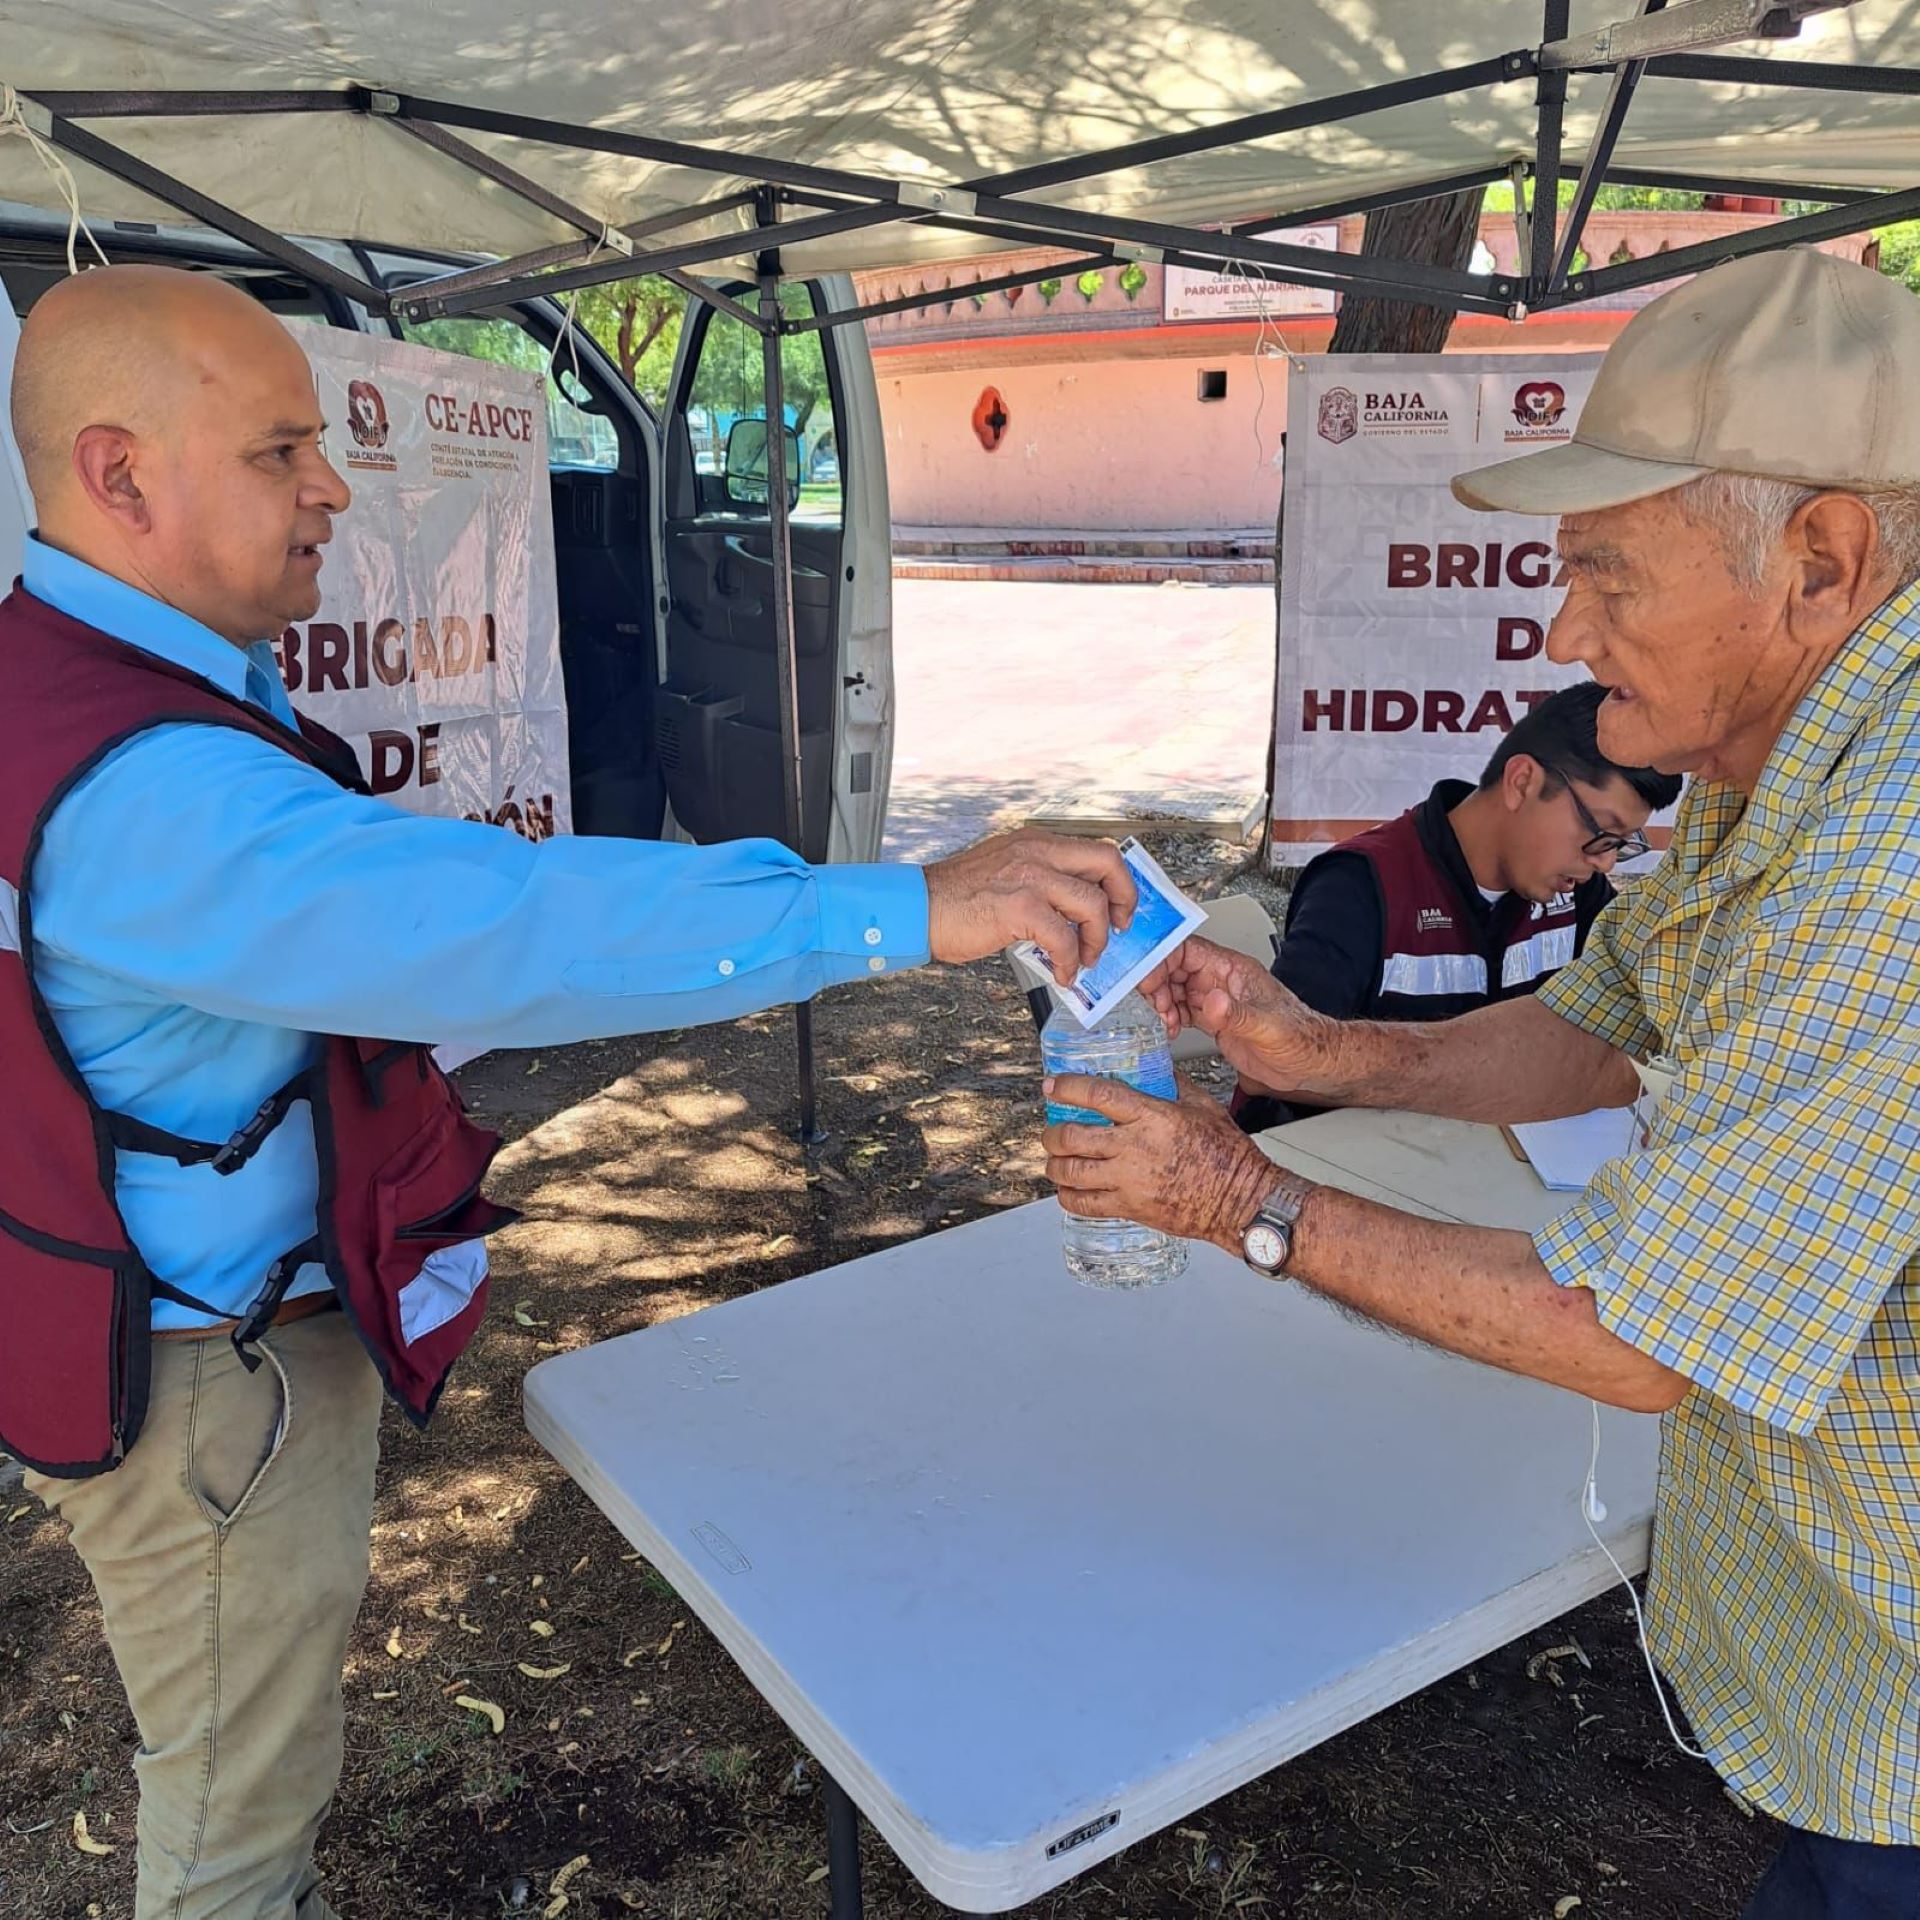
{"x": 1129, "y": 121}
{"x": 751, "y": 138}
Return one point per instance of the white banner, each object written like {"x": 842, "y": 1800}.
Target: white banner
{"x": 1411, "y": 628}
{"x": 436, "y": 650}
{"x": 1218, "y": 293}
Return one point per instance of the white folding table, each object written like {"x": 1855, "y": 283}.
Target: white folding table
{"x": 1035, "y": 1570}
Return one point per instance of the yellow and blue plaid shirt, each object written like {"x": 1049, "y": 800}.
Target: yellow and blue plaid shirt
{"x": 1766, "y": 1244}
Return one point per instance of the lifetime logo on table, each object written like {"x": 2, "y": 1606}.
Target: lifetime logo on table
{"x": 1081, "y": 1835}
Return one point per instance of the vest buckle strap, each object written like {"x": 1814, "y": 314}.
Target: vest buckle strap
{"x": 266, "y": 1303}
{"x": 237, "y": 1151}
{"x": 224, "y": 1157}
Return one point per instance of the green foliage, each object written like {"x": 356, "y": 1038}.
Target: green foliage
{"x": 1133, "y": 276}
{"x": 1900, "y": 252}
{"x": 637, "y": 322}
{"x": 1048, "y": 290}
{"x": 1090, "y": 283}
{"x": 1608, "y": 200}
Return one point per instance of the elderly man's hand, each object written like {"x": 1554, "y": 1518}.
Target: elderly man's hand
{"x": 1182, "y": 1166}
{"x": 1260, "y": 1026}
{"x": 1062, "y": 893}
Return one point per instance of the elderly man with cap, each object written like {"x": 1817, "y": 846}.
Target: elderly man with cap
{"x": 235, "y": 1196}
{"x": 1740, "y": 527}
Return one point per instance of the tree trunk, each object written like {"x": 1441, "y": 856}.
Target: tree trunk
{"x": 1439, "y": 232}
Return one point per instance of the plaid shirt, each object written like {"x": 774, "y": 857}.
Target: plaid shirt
{"x": 1766, "y": 1244}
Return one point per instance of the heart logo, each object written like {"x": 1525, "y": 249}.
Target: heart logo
{"x": 1540, "y": 403}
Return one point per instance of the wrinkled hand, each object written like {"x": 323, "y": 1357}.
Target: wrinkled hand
{"x": 1183, "y": 1166}
{"x": 1260, "y": 1026}
{"x": 1060, "y": 892}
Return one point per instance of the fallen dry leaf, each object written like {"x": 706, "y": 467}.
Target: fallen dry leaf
{"x": 566, "y": 1747}
{"x": 544, "y": 1628}
{"x": 555, "y": 1907}
{"x": 570, "y": 1872}
{"x": 544, "y": 1673}
{"x": 817, "y": 1875}
{"x": 538, "y": 1580}
{"x": 386, "y": 1696}
{"x": 627, "y": 1659}
{"x": 493, "y": 1713}
{"x": 84, "y": 1840}
{"x": 579, "y": 1566}
{"x": 393, "y": 1645}
{"x": 522, "y": 1318}
{"x": 666, "y": 1646}
{"x": 1566, "y": 1904}
{"x": 466, "y": 1626}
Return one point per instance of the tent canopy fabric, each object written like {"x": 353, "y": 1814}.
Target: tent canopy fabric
{"x": 925, "y": 91}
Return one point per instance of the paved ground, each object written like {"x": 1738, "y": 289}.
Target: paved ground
{"x": 1013, "y": 697}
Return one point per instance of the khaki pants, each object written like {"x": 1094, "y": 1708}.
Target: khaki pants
{"x": 229, "y": 1551}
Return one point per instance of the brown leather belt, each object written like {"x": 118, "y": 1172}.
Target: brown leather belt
{"x": 290, "y": 1310}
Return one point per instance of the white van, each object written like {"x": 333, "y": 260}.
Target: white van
{"x": 664, "y": 556}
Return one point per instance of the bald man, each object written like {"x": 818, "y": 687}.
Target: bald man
{"x": 234, "y": 1198}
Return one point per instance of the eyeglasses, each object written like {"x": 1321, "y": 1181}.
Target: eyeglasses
{"x": 1629, "y": 846}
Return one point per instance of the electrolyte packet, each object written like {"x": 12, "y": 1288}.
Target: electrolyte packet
{"x": 1161, "y": 921}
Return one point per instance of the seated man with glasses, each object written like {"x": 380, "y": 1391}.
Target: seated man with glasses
{"x": 1475, "y": 895}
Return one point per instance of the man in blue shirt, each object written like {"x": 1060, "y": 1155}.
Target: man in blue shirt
{"x": 203, "y": 905}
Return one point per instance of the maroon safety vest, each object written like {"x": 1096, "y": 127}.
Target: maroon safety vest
{"x": 400, "y": 1164}
{"x": 1440, "y": 958}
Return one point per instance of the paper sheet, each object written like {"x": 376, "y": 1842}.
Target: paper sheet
{"x": 1566, "y": 1154}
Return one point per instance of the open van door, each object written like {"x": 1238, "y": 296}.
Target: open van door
{"x": 718, "y": 707}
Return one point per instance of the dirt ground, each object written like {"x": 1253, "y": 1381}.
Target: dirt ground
{"x": 657, "y": 1178}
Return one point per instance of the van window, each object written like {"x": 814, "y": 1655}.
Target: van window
{"x": 576, "y": 439}
{"x": 729, "y": 384}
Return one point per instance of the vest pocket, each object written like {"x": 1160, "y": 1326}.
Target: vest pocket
{"x": 73, "y": 1364}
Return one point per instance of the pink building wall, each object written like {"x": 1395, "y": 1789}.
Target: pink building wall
{"x": 1105, "y": 428}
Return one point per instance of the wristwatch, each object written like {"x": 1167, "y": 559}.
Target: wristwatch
{"x": 1267, "y": 1242}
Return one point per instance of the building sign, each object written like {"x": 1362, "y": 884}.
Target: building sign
{"x": 1220, "y": 293}
{"x": 1412, "y": 629}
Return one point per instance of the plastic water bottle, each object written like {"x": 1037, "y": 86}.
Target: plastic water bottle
{"x": 1130, "y": 1044}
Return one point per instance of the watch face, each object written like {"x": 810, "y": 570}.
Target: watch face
{"x": 1266, "y": 1246}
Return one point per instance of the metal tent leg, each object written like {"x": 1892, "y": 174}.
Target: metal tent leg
{"x": 779, "y": 509}
{"x": 843, "y": 1852}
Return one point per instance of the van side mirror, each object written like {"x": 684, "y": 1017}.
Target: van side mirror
{"x": 746, "y": 464}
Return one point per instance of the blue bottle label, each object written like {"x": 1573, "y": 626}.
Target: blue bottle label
{"x": 1151, "y": 1074}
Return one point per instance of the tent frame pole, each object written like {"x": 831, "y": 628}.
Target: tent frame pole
{"x": 1880, "y": 209}
{"x": 149, "y": 179}
{"x": 596, "y": 235}
{"x": 1606, "y": 135}
{"x": 1550, "y": 105}
{"x": 785, "y": 645}
{"x": 987, "y": 204}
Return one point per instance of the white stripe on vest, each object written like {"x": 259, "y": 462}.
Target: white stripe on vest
{"x": 9, "y": 917}
{"x": 1426, "y": 974}
{"x": 1543, "y": 953}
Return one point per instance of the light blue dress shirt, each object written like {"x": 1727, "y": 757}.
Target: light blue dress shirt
{"x": 204, "y": 904}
